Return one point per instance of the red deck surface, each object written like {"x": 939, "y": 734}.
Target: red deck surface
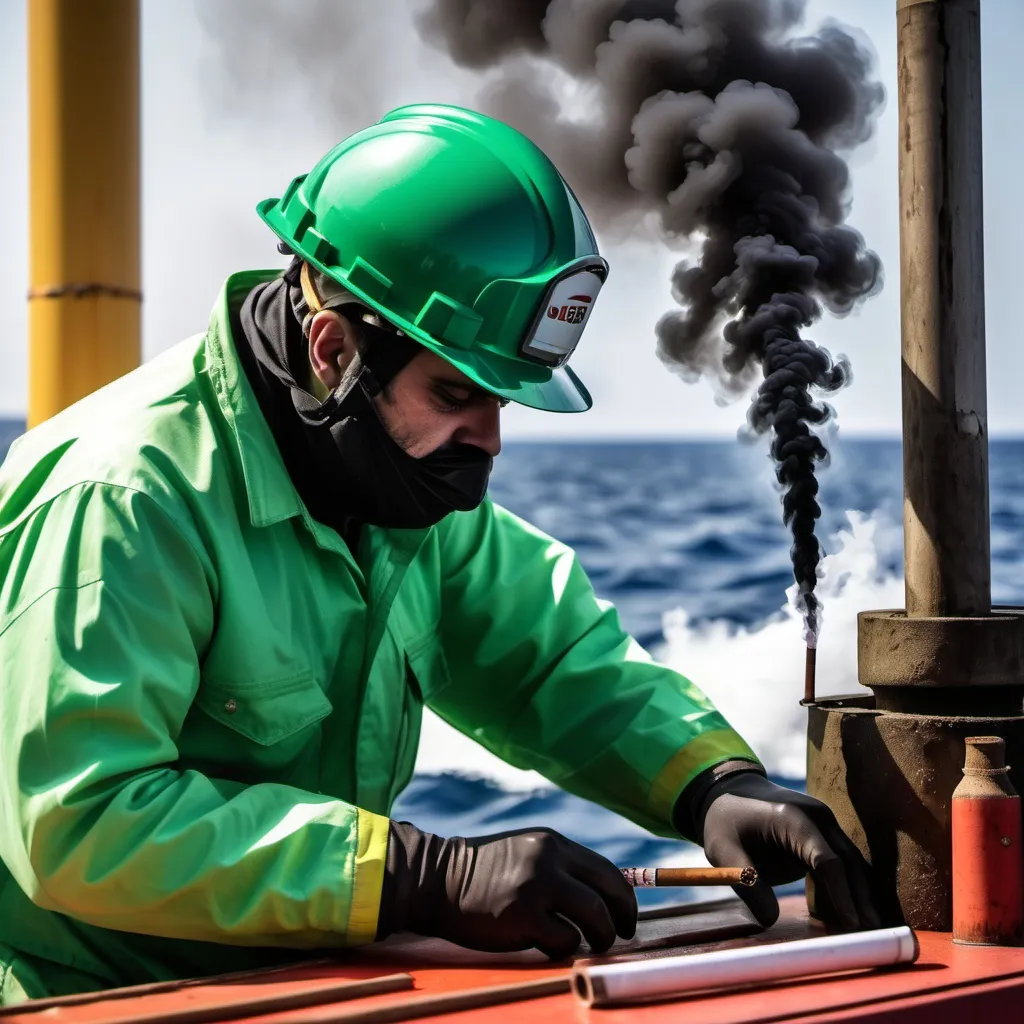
{"x": 948, "y": 983}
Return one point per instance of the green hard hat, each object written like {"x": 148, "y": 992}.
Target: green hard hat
{"x": 460, "y": 232}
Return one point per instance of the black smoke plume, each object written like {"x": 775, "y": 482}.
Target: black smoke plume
{"x": 716, "y": 117}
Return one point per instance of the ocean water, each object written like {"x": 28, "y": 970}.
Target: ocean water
{"x": 686, "y": 539}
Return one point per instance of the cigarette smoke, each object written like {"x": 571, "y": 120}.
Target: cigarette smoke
{"x": 713, "y": 118}
{"x": 716, "y": 118}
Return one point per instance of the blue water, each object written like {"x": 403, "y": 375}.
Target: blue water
{"x": 681, "y": 524}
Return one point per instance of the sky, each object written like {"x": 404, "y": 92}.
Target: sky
{"x": 212, "y": 150}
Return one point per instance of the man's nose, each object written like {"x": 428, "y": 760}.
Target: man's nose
{"x": 482, "y": 428}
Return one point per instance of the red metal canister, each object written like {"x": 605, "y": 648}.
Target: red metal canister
{"x": 988, "y": 865}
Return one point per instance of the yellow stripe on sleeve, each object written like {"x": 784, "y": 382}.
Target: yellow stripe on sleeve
{"x": 368, "y": 878}
{"x": 704, "y": 751}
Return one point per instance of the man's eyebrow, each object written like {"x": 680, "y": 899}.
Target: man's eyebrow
{"x": 463, "y": 385}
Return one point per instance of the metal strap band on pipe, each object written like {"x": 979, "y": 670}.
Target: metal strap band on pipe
{"x": 84, "y": 291}
{"x": 638, "y": 981}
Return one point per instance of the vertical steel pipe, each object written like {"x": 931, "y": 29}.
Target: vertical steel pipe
{"x": 84, "y": 285}
{"x": 945, "y": 421}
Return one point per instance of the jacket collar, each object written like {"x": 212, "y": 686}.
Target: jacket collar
{"x": 271, "y": 494}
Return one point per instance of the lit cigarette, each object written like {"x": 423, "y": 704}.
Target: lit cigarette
{"x": 810, "y": 671}
{"x": 642, "y": 878}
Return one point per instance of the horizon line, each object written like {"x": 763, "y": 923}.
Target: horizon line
{"x": 627, "y": 437}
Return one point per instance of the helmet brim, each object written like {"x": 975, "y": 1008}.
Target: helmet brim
{"x": 548, "y": 389}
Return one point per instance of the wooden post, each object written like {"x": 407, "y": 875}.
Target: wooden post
{"x": 945, "y": 419}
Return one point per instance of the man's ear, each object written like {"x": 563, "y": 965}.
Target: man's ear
{"x": 332, "y": 347}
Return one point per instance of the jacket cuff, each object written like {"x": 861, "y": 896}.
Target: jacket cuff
{"x": 687, "y": 816}
{"x": 705, "y": 751}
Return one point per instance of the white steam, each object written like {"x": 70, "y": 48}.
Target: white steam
{"x": 755, "y": 677}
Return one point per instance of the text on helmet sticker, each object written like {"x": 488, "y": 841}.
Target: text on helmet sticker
{"x": 568, "y": 307}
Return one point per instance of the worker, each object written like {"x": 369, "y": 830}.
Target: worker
{"x": 232, "y": 579}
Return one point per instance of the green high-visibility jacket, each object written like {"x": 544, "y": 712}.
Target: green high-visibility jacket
{"x": 208, "y": 704}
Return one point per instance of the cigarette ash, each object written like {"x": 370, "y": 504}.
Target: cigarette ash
{"x": 718, "y": 119}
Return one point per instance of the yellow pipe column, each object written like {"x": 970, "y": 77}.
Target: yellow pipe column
{"x": 84, "y": 274}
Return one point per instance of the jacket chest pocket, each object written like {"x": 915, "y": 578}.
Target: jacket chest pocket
{"x": 265, "y": 712}
{"x": 268, "y": 725}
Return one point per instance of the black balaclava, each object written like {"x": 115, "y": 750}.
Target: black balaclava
{"x": 345, "y": 465}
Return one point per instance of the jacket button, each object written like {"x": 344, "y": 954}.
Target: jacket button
{"x": 231, "y": 706}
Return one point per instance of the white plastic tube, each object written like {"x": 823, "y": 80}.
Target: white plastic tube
{"x": 636, "y": 981}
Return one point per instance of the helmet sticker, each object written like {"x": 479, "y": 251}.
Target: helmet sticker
{"x": 565, "y": 313}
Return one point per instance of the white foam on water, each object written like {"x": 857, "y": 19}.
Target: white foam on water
{"x": 753, "y": 676}
{"x": 444, "y": 749}
{"x": 756, "y": 677}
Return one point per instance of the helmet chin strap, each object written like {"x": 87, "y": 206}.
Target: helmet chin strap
{"x": 311, "y": 295}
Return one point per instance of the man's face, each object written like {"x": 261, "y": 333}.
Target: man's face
{"x": 430, "y": 404}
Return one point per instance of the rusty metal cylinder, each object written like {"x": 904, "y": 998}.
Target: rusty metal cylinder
{"x": 942, "y": 296}
{"x": 947, "y": 667}
{"x": 988, "y": 866}
{"x": 889, "y": 777}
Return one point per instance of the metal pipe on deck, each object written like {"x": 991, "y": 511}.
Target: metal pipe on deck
{"x": 945, "y": 420}
{"x": 84, "y": 251}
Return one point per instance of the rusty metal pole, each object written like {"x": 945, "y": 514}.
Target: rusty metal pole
{"x": 949, "y": 666}
{"x": 84, "y": 276}
{"x": 945, "y": 421}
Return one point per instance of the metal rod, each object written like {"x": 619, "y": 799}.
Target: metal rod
{"x": 945, "y": 418}
{"x": 324, "y": 993}
{"x": 810, "y": 674}
{"x": 415, "y": 1007}
{"x": 84, "y": 238}
{"x": 641, "y": 878}
{"x": 154, "y": 988}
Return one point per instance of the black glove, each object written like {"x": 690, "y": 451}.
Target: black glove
{"x": 517, "y": 890}
{"x": 744, "y": 819}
